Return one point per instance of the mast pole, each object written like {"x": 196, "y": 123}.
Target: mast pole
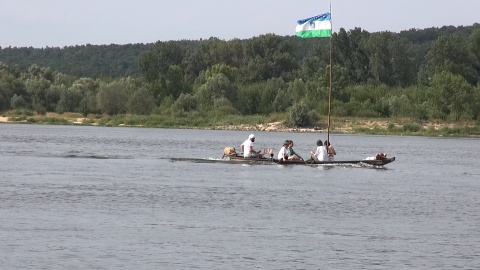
{"x": 330, "y": 86}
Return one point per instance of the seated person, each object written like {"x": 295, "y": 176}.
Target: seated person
{"x": 293, "y": 154}
{"x": 321, "y": 152}
{"x": 284, "y": 152}
{"x": 330, "y": 151}
{"x": 247, "y": 148}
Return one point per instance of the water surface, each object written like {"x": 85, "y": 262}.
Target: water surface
{"x": 75, "y": 197}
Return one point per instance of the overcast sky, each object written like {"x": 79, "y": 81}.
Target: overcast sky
{"x": 59, "y": 23}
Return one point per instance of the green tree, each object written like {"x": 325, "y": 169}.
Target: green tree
{"x": 297, "y": 90}
{"x": 37, "y": 88}
{"x": 70, "y": 100}
{"x": 64, "y": 79}
{"x": 476, "y": 103}
{"x": 300, "y": 115}
{"x": 316, "y": 96}
{"x": 390, "y": 61}
{"x": 18, "y": 102}
{"x": 229, "y": 53}
{"x": 52, "y": 97}
{"x": 450, "y": 96}
{"x": 317, "y": 90}
{"x": 474, "y": 46}
{"x": 112, "y": 98}
{"x": 399, "y": 106}
{"x": 350, "y": 53}
{"x": 174, "y": 82}
{"x": 270, "y": 91}
{"x": 156, "y": 62}
{"x": 141, "y": 102}
{"x": 249, "y": 97}
{"x": 269, "y": 56}
{"x": 418, "y": 98}
{"x": 450, "y": 53}
{"x": 88, "y": 89}
{"x": 282, "y": 101}
{"x": 3, "y": 102}
{"x": 193, "y": 64}
{"x": 185, "y": 103}
{"x": 10, "y": 85}
{"x": 217, "y": 86}
{"x": 229, "y": 72}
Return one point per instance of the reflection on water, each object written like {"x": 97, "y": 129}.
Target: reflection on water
{"x": 101, "y": 198}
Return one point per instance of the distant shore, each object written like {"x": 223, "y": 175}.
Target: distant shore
{"x": 339, "y": 125}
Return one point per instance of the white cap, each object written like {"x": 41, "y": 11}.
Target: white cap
{"x": 251, "y": 136}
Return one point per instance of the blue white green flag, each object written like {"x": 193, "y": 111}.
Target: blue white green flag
{"x": 317, "y": 26}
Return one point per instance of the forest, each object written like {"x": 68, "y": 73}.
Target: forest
{"x": 421, "y": 74}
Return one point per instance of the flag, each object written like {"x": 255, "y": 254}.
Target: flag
{"x": 317, "y": 26}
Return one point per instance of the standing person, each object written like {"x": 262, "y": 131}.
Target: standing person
{"x": 321, "y": 153}
{"x": 284, "y": 152}
{"x": 247, "y": 148}
{"x": 330, "y": 151}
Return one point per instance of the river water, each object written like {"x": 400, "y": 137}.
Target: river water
{"x": 79, "y": 197}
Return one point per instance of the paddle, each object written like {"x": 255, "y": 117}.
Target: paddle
{"x": 295, "y": 153}
{"x": 302, "y": 158}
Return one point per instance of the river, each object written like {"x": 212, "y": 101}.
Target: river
{"x": 85, "y": 197}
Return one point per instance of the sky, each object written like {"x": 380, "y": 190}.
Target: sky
{"x": 59, "y": 23}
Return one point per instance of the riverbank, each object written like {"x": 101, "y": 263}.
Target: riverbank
{"x": 339, "y": 125}
{"x": 376, "y": 127}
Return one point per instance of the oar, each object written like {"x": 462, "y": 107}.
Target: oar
{"x": 295, "y": 153}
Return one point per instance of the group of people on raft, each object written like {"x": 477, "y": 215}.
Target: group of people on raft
{"x": 323, "y": 152}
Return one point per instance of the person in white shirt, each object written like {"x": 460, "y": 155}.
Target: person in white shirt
{"x": 247, "y": 148}
{"x": 293, "y": 154}
{"x": 284, "y": 152}
{"x": 321, "y": 153}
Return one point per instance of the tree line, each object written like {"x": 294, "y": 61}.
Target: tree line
{"x": 425, "y": 74}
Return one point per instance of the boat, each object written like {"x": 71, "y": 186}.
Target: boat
{"x": 230, "y": 156}
{"x": 273, "y": 161}
{"x": 372, "y": 162}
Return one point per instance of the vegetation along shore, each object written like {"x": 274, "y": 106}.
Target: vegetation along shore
{"x": 339, "y": 125}
{"x": 415, "y": 82}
